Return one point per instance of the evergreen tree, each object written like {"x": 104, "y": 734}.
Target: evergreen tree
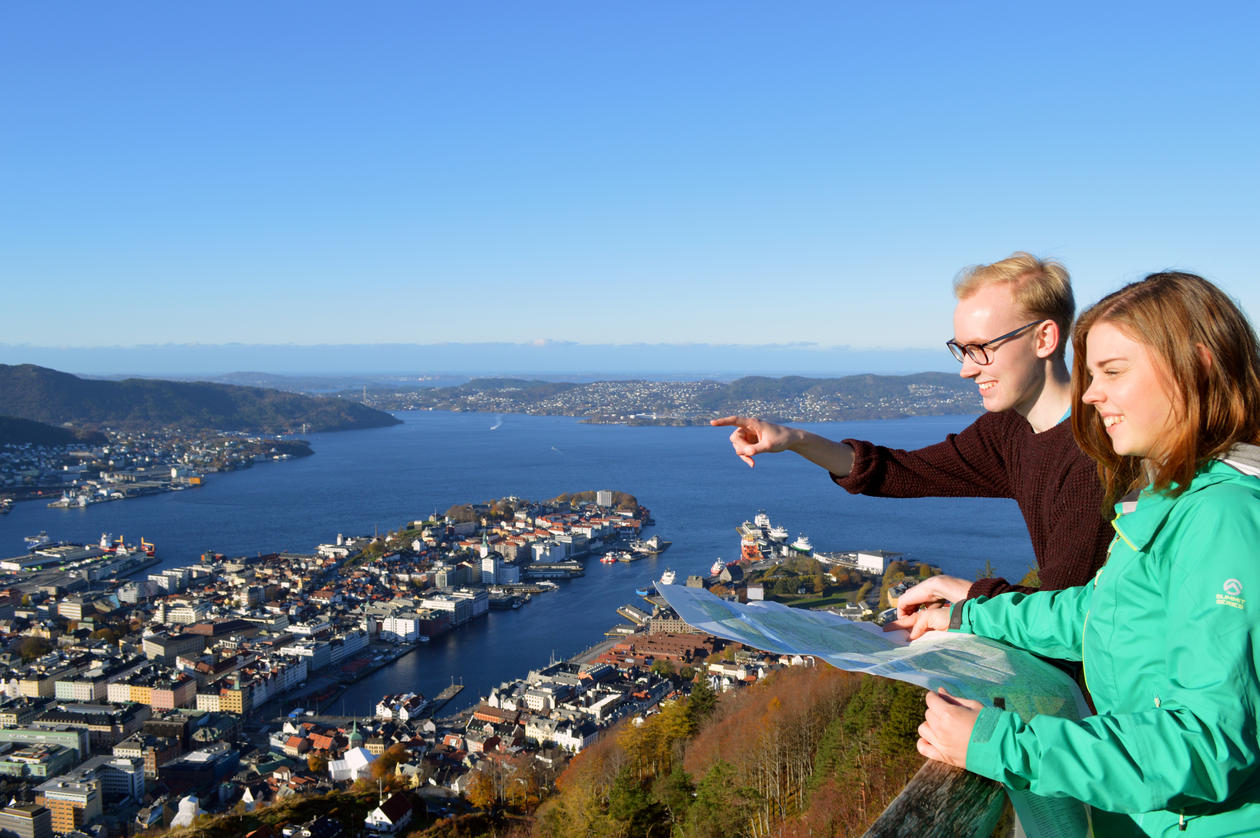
{"x": 721, "y": 808}
{"x": 630, "y": 805}
{"x": 701, "y": 703}
{"x": 674, "y": 793}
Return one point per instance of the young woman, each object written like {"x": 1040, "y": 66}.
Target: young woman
{"x": 1166, "y": 385}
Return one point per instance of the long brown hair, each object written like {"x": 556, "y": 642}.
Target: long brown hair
{"x": 1210, "y": 353}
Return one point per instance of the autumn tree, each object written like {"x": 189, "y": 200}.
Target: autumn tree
{"x": 482, "y": 792}
{"x": 385, "y": 764}
{"x": 31, "y": 647}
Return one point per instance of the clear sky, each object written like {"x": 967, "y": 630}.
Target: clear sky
{"x": 605, "y": 172}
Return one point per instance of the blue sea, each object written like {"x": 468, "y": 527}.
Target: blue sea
{"x": 360, "y": 482}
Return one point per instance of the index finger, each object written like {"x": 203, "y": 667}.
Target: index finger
{"x": 904, "y": 623}
{"x": 727, "y": 421}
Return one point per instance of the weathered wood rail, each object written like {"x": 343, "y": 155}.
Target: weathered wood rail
{"x": 941, "y": 801}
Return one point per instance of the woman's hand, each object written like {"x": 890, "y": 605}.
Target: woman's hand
{"x": 931, "y": 618}
{"x": 931, "y": 590}
{"x": 946, "y": 728}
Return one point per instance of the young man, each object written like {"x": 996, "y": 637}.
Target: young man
{"x": 1011, "y": 328}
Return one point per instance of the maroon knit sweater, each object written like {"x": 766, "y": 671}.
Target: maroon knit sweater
{"x": 1000, "y": 456}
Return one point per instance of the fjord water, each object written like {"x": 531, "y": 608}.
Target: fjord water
{"x": 374, "y": 480}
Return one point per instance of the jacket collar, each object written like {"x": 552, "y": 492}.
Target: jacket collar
{"x": 1141, "y": 513}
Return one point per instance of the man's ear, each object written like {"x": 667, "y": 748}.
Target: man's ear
{"x": 1048, "y": 337}
{"x": 1205, "y": 356}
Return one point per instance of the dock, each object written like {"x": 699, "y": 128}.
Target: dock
{"x": 445, "y": 696}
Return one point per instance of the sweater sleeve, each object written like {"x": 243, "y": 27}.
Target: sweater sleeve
{"x": 966, "y": 464}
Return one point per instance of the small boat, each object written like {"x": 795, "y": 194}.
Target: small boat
{"x": 642, "y": 591}
{"x": 608, "y": 558}
{"x": 718, "y": 567}
{"x": 803, "y": 544}
{"x": 668, "y": 577}
{"x": 34, "y": 542}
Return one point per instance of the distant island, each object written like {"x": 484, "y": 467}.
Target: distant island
{"x": 643, "y": 402}
{"x": 43, "y": 395}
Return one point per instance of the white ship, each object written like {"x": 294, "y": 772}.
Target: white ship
{"x": 761, "y": 519}
{"x": 718, "y": 567}
{"x": 802, "y": 544}
{"x": 34, "y": 542}
{"x": 651, "y": 546}
{"x": 778, "y": 533}
{"x": 668, "y": 577}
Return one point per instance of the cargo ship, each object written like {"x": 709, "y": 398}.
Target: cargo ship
{"x": 119, "y": 547}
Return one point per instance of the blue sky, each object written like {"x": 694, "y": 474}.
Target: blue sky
{"x": 601, "y": 172}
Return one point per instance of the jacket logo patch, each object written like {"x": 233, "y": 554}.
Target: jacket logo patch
{"x": 1233, "y": 594}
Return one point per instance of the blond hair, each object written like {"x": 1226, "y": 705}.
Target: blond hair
{"x": 1041, "y": 288}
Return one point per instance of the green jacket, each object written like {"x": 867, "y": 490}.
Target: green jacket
{"x": 1169, "y": 636}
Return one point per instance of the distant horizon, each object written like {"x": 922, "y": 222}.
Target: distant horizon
{"x": 539, "y": 359}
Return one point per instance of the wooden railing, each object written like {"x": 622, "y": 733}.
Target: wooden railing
{"x": 942, "y": 801}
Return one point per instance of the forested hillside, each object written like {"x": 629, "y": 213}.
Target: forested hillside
{"x": 810, "y": 751}
{"x": 45, "y": 395}
{"x": 15, "y": 431}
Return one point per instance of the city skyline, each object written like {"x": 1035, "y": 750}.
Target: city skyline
{"x": 557, "y": 174}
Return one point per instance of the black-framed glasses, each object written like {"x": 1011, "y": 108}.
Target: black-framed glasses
{"x": 982, "y": 353}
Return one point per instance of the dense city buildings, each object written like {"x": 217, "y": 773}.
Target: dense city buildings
{"x": 170, "y": 693}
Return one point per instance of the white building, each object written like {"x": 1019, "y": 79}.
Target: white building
{"x": 354, "y": 764}
{"x": 189, "y": 809}
{"x": 874, "y": 561}
{"x": 401, "y": 627}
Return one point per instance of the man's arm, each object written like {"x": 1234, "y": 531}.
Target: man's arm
{"x": 971, "y": 463}
{"x": 752, "y": 437}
